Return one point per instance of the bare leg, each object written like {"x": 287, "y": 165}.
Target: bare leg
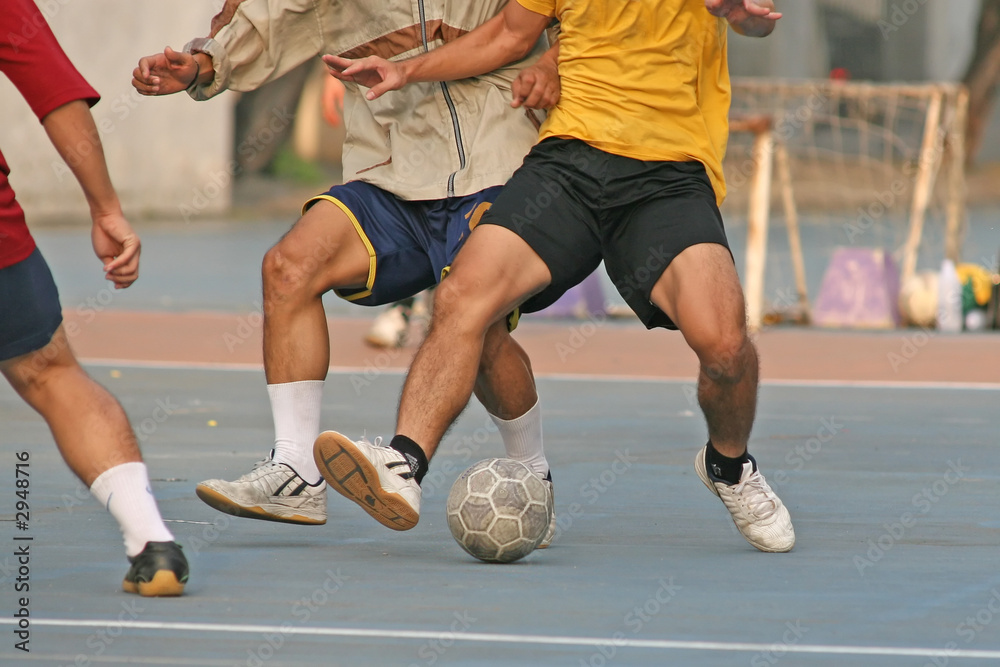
{"x": 494, "y": 272}
{"x": 89, "y": 426}
{"x": 701, "y": 293}
{"x": 97, "y": 442}
{"x": 505, "y": 385}
{"x": 321, "y": 252}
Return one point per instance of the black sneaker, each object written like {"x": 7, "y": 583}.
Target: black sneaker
{"x": 160, "y": 570}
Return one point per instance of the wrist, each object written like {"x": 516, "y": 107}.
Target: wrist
{"x": 409, "y": 69}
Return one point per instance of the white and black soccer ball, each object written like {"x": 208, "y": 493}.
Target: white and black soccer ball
{"x": 499, "y": 510}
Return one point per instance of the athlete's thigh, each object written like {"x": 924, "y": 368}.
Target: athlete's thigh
{"x": 700, "y": 291}
{"x": 376, "y": 239}
{"x": 551, "y": 204}
{"x": 492, "y": 274}
{"x": 674, "y": 210}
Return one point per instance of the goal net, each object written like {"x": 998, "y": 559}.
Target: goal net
{"x": 826, "y": 164}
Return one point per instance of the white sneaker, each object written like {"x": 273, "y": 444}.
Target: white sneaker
{"x": 757, "y": 511}
{"x": 390, "y": 328}
{"x": 271, "y": 491}
{"x": 374, "y": 476}
{"x": 551, "y": 532}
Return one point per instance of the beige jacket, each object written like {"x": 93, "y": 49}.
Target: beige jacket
{"x": 426, "y": 141}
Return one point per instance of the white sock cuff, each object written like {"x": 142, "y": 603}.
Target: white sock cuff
{"x": 297, "y": 408}
{"x": 300, "y": 390}
{"x": 104, "y": 485}
{"x": 521, "y": 422}
{"x": 522, "y": 438}
{"x": 134, "y": 507}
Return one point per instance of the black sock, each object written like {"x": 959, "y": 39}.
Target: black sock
{"x": 724, "y": 468}
{"x": 413, "y": 454}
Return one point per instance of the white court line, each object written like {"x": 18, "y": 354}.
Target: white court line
{"x": 352, "y": 370}
{"x": 500, "y": 638}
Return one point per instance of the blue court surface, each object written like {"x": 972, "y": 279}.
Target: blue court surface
{"x": 893, "y": 492}
{"x": 892, "y": 489}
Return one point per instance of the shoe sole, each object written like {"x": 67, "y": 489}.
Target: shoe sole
{"x": 164, "y": 584}
{"x": 699, "y": 467}
{"x": 352, "y": 475}
{"x": 226, "y": 505}
{"x": 381, "y": 344}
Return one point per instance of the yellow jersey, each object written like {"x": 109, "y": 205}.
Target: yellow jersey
{"x": 646, "y": 79}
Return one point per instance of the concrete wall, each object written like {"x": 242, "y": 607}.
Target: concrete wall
{"x": 168, "y": 156}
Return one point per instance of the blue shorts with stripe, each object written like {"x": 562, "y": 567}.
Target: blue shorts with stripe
{"x": 410, "y": 243}
{"x": 29, "y": 307}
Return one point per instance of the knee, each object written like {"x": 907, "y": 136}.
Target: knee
{"x": 726, "y": 357}
{"x": 457, "y": 305}
{"x": 36, "y": 374}
{"x": 285, "y": 275}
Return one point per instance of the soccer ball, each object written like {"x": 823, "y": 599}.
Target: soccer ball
{"x": 918, "y": 299}
{"x": 499, "y": 510}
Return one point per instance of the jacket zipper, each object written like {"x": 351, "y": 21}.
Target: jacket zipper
{"x": 451, "y": 106}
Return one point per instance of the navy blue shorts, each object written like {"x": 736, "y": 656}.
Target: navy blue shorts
{"x": 411, "y": 243}
{"x": 29, "y": 307}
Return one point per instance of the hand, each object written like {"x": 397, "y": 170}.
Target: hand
{"x": 537, "y": 87}
{"x": 117, "y": 246}
{"x": 737, "y": 11}
{"x": 377, "y": 74}
{"x": 164, "y": 73}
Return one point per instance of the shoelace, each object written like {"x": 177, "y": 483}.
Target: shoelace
{"x": 264, "y": 461}
{"x": 757, "y": 495}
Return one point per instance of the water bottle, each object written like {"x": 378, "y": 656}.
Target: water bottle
{"x": 949, "y": 311}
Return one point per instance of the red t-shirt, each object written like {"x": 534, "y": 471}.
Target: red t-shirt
{"x": 32, "y": 59}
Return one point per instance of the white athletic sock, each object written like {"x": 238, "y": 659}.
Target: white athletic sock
{"x": 296, "y": 409}
{"x": 124, "y": 491}
{"x": 522, "y": 438}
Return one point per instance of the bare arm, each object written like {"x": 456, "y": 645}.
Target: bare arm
{"x": 72, "y": 131}
{"x": 506, "y": 37}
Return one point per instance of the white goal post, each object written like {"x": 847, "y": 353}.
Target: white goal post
{"x": 861, "y": 154}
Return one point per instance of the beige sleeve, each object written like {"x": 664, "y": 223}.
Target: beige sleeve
{"x": 263, "y": 40}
